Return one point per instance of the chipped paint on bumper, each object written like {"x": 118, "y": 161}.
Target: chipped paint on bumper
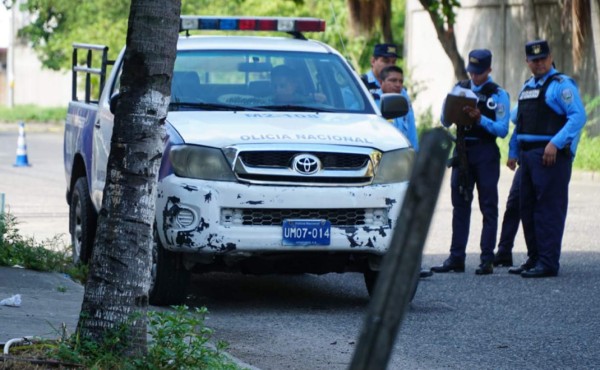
{"x": 206, "y": 234}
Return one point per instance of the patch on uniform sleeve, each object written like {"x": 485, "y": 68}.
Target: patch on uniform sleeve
{"x": 567, "y": 96}
{"x": 500, "y": 110}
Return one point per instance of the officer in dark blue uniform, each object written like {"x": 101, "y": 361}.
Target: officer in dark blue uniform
{"x": 550, "y": 118}
{"x": 481, "y": 167}
{"x": 383, "y": 55}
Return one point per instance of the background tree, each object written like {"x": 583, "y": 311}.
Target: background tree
{"x": 116, "y": 291}
{"x": 56, "y": 24}
{"x": 443, "y": 16}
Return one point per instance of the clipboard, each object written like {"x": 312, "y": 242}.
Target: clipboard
{"x": 453, "y": 110}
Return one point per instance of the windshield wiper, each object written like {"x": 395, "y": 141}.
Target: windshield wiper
{"x": 175, "y": 106}
{"x": 292, "y": 108}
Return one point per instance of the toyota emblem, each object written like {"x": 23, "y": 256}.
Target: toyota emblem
{"x": 306, "y": 164}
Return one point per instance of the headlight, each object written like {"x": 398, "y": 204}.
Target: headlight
{"x": 200, "y": 162}
{"x": 395, "y": 166}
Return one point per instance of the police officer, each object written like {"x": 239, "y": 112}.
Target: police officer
{"x": 383, "y": 55}
{"x": 550, "y": 118}
{"x": 481, "y": 164}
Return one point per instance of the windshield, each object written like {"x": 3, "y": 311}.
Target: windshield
{"x": 265, "y": 80}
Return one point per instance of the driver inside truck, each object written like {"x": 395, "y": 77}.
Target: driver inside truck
{"x": 287, "y": 87}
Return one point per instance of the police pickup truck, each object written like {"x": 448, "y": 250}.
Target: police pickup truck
{"x": 276, "y": 159}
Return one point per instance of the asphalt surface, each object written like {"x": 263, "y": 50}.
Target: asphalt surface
{"x": 457, "y": 321}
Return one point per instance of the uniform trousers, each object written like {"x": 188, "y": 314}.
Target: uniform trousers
{"x": 512, "y": 216}
{"x": 544, "y": 203}
{"x": 484, "y": 173}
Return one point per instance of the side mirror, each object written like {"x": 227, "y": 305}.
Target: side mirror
{"x": 393, "y": 106}
{"x": 114, "y": 100}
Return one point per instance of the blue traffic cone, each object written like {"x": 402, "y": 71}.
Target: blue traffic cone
{"x": 21, "y": 148}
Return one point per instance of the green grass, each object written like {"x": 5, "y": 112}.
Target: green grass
{"x": 32, "y": 113}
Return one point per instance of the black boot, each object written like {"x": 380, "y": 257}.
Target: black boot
{"x": 449, "y": 265}
{"x": 485, "y": 268}
{"x": 503, "y": 259}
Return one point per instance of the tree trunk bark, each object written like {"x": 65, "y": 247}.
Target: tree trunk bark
{"x": 116, "y": 292}
{"x": 447, "y": 39}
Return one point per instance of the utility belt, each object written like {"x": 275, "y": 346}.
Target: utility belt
{"x": 529, "y": 145}
{"x": 471, "y": 141}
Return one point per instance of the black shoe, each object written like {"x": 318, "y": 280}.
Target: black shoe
{"x": 538, "y": 272}
{"x": 485, "y": 268}
{"x": 425, "y": 273}
{"x": 503, "y": 259}
{"x": 528, "y": 265}
{"x": 448, "y": 266}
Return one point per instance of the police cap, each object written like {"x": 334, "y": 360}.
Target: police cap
{"x": 480, "y": 60}
{"x": 385, "y": 50}
{"x": 537, "y": 49}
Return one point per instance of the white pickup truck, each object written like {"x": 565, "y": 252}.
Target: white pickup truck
{"x": 250, "y": 181}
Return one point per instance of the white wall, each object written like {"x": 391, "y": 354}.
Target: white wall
{"x": 3, "y": 27}
{"x": 32, "y": 83}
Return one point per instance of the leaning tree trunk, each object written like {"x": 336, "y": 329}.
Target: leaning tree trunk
{"x": 446, "y": 35}
{"x": 116, "y": 292}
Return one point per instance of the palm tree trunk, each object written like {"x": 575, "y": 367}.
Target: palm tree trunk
{"x": 116, "y": 292}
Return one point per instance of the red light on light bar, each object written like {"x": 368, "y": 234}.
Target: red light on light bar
{"x": 267, "y": 24}
{"x": 247, "y": 24}
{"x": 310, "y": 25}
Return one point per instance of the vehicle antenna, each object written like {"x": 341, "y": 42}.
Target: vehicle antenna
{"x": 337, "y": 29}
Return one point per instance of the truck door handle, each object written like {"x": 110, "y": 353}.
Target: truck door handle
{"x": 97, "y": 124}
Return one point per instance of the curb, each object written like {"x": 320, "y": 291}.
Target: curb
{"x": 32, "y": 126}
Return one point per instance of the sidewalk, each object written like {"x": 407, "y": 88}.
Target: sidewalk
{"x": 47, "y": 301}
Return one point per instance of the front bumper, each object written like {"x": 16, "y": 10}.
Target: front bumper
{"x": 205, "y": 217}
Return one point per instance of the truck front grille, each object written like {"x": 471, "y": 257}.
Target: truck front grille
{"x": 284, "y": 159}
{"x": 336, "y": 165}
{"x": 275, "y": 217}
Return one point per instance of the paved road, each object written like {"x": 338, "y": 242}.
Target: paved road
{"x": 457, "y": 321}
{"x": 35, "y": 194}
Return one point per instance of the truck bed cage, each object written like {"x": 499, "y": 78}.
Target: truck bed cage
{"x": 89, "y": 70}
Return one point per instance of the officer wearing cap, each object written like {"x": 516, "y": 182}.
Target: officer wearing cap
{"x": 383, "y": 55}
{"x": 550, "y": 118}
{"x": 478, "y": 163}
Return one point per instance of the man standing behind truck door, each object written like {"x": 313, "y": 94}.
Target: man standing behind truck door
{"x": 392, "y": 81}
{"x": 383, "y": 55}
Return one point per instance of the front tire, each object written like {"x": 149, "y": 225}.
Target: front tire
{"x": 169, "y": 277}
{"x": 82, "y": 222}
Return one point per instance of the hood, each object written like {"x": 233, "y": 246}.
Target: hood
{"x": 221, "y": 129}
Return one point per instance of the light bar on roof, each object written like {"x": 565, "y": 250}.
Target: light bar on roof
{"x": 282, "y": 24}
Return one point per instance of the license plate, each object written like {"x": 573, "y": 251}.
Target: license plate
{"x": 306, "y": 232}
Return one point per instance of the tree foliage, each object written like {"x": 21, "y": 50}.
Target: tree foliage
{"x": 57, "y": 24}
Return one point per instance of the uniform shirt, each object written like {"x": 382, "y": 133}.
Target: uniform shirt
{"x": 513, "y": 145}
{"x": 498, "y": 127}
{"x": 405, "y": 124}
{"x": 563, "y": 97}
{"x": 371, "y": 78}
